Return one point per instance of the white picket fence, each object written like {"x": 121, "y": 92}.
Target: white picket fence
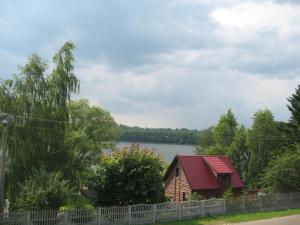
{"x": 148, "y": 214}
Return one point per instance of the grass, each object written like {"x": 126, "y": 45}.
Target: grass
{"x": 235, "y": 218}
{"x": 78, "y": 202}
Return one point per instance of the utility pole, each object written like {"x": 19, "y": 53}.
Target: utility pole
{"x": 4, "y": 119}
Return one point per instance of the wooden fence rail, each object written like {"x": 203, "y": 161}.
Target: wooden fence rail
{"x": 149, "y": 214}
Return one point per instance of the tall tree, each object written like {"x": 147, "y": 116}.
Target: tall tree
{"x": 294, "y": 124}
{"x": 225, "y": 129}
{"x": 262, "y": 141}
{"x": 239, "y": 151}
{"x": 90, "y": 130}
{"x": 205, "y": 141}
{"x": 294, "y": 106}
{"x": 38, "y": 102}
{"x": 224, "y": 133}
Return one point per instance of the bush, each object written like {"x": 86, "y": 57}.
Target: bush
{"x": 282, "y": 174}
{"x": 128, "y": 176}
{"x": 228, "y": 194}
{"x": 78, "y": 201}
{"x": 43, "y": 190}
{"x": 196, "y": 196}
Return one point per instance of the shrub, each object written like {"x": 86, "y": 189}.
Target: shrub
{"x": 43, "y": 190}
{"x": 128, "y": 176}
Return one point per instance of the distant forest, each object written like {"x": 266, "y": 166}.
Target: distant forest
{"x": 159, "y": 135}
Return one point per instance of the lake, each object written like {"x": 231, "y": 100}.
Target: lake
{"x": 167, "y": 151}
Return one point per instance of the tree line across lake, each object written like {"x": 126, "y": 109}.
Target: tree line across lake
{"x": 55, "y": 145}
{"x": 159, "y": 135}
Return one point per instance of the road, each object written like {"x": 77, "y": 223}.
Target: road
{"x": 286, "y": 220}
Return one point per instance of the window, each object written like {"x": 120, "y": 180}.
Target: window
{"x": 177, "y": 172}
{"x": 183, "y": 196}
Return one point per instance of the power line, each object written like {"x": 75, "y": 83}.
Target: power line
{"x": 42, "y": 119}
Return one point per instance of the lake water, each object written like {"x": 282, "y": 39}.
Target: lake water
{"x": 167, "y": 151}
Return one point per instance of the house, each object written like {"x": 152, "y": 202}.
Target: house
{"x": 209, "y": 176}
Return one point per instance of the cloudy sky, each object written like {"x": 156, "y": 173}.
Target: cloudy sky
{"x": 165, "y": 63}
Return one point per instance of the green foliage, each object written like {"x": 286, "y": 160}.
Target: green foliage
{"x": 217, "y": 141}
{"x": 128, "y": 176}
{"x": 196, "y": 196}
{"x": 294, "y": 124}
{"x": 238, "y": 151}
{"x": 49, "y": 132}
{"x": 36, "y": 99}
{"x": 228, "y": 194}
{"x": 217, "y": 149}
{"x": 262, "y": 144}
{"x": 158, "y": 135}
{"x": 90, "y": 130}
{"x": 225, "y": 129}
{"x": 282, "y": 173}
{"x": 294, "y": 106}
{"x": 78, "y": 201}
{"x": 205, "y": 140}
{"x": 43, "y": 190}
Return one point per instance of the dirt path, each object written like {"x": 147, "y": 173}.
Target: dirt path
{"x": 286, "y": 220}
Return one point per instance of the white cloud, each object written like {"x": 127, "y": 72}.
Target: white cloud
{"x": 243, "y": 21}
{"x": 256, "y": 16}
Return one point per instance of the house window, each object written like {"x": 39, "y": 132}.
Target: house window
{"x": 183, "y": 196}
{"x": 177, "y": 172}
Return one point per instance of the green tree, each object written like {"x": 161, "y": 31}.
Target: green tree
{"x": 128, "y": 176}
{"x": 238, "y": 151}
{"x": 90, "y": 130}
{"x": 262, "y": 143}
{"x": 225, "y": 129}
{"x": 294, "y": 106}
{"x": 43, "y": 190}
{"x": 38, "y": 102}
{"x": 206, "y": 140}
{"x": 224, "y": 133}
{"x": 282, "y": 174}
{"x": 294, "y": 125}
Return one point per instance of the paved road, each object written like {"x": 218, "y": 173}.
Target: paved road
{"x": 286, "y": 220}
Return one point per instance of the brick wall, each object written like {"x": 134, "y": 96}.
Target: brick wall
{"x": 176, "y": 186}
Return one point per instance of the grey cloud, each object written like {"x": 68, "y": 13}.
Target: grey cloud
{"x": 132, "y": 36}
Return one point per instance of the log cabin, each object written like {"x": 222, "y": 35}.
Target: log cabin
{"x": 210, "y": 176}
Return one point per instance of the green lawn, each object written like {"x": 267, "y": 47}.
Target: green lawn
{"x": 235, "y": 218}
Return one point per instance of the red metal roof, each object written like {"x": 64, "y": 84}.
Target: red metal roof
{"x": 199, "y": 171}
{"x": 217, "y": 164}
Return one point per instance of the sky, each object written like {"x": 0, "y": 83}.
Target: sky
{"x": 165, "y": 63}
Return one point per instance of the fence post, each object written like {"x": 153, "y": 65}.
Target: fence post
{"x": 153, "y": 213}
{"x": 129, "y": 215}
{"x": 260, "y": 203}
{"x": 28, "y": 218}
{"x": 224, "y": 206}
{"x": 99, "y": 215}
{"x": 202, "y": 208}
{"x": 179, "y": 211}
{"x": 291, "y": 200}
{"x": 66, "y": 217}
{"x": 243, "y": 202}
